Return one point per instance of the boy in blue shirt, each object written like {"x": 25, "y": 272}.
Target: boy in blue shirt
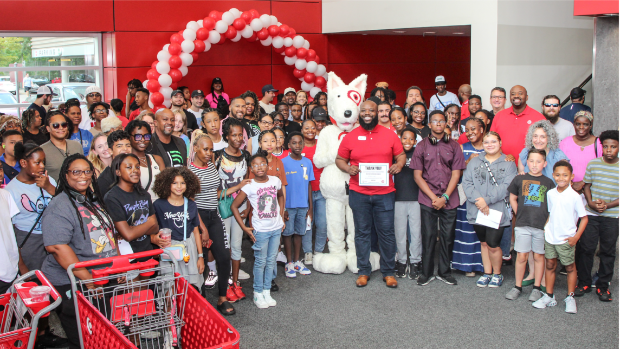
{"x": 298, "y": 203}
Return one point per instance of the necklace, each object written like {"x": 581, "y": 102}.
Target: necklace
{"x": 65, "y": 154}
{"x": 143, "y": 162}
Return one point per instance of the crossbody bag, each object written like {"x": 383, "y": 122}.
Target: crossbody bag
{"x": 508, "y": 207}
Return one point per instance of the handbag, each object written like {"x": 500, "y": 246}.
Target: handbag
{"x": 508, "y": 207}
{"x": 179, "y": 251}
{"x": 224, "y": 203}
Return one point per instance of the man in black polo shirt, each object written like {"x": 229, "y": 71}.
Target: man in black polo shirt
{"x": 44, "y": 97}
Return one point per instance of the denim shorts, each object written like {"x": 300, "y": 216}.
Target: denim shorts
{"x": 296, "y": 223}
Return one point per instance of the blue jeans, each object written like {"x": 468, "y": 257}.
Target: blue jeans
{"x": 296, "y": 223}
{"x": 506, "y": 241}
{"x": 265, "y": 252}
{"x": 377, "y": 211}
{"x": 320, "y": 221}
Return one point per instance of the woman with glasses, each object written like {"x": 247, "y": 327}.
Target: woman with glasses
{"x": 417, "y": 119}
{"x": 59, "y": 146}
{"x": 278, "y": 120}
{"x": 98, "y": 111}
{"x": 150, "y": 165}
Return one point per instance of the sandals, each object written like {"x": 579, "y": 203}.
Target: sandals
{"x": 226, "y": 305}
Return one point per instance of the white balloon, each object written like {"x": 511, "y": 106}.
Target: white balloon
{"x": 279, "y": 24}
{"x": 288, "y": 42}
{"x": 311, "y": 67}
{"x": 186, "y": 58}
{"x": 151, "y": 104}
{"x": 320, "y": 70}
{"x": 301, "y": 64}
{"x": 266, "y": 20}
{"x": 189, "y": 34}
{"x": 235, "y": 12}
{"x": 236, "y": 38}
{"x": 163, "y": 56}
{"x": 188, "y": 46}
{"x": 166, "y": 91}
{"x": 247, "y": 32}
{"x": 164, "y": 80}
{"x": 193, "y": 25}
{"x": 200, "y": 24}
{"x": 162, "y": 67}
{"x": 278, "y": 42}
{"x": 314, "y": 91}
{"x": 325, "y": 76}
{"x": 221, "y": 27}
{"x": 298, "y": 41}
{"x": 266, "y": 42}
{"x": 274, "y": 20}
{"x": 166, "y": 47}
{"x": 256, "y": 24}
{"x": 214, "y": 37}
{"x": 290, "y": 60}
{"x": 207, "y": 46}
{"x": 145, "y": 82}
{"x": 183, "y": 70}
{"x": 300, "y": 79}
{"x": 306, "y": 44}
{"x": 167, "y": 102}
{"x": 306, "y": 86}
{"x": 228, "y": 18}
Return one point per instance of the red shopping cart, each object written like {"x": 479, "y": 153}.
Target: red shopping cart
{"x": 145, "y": 304}
{"x": 20, "y": 313}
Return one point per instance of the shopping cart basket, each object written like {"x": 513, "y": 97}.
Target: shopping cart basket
{"x": 20, "y": 314}
{"x": 157, "y": 309}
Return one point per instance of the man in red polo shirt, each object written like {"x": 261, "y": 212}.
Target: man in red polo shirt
{"x": 512, "y": 123}
{"x": 367, "y": 154}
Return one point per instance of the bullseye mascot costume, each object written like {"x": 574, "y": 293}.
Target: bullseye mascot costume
{"x": 343, "y": 102}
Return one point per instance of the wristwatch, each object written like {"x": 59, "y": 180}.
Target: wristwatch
{"x": 200, "y": 255}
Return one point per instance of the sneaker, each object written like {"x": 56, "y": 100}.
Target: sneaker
{"x": 243, "y": 275}
{"x": 580, "y": 291}
{"x": 571, "y": 305}
{"x": 484, "y": 280}
{"x": 496, "y": 281}
{"x": 230, "y": 295}
{"x": 301, "y": 268}
{"x": 448, "y": 279}
{"x": 563, "y": 271}
{"x": 290, "y": 271}
{"x": 604, "y": 295}
{"x": 594, "y": 279}
{"x": 535, "y": 295}
{"x": 238, "y": 292}
{"x": 414, "y": 270}
{"x": 274, "y": 287}
{"x": 544, "y": 302}
{"x": 513, "y": 294}
{"x": 281, "y": 258}
{"x": 401, "y": 270}
{"x": 270, "y": 301}
{"x": 259, "y": 300}
{"x": 211, "y": 280}
{"x": 423, "y": 280}
{"x": 308, "y": 258}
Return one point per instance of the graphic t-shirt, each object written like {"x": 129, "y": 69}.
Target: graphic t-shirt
{"x": 438, "y": 102}
{"x": 275, "y": 167}
{"x": 532, "y": 199}
{"x": 83, "y": 137}
{"x": 231, "y": 169}
{"x": 197, "y": 114}
{"x": 133, "y": 208}
{"x": 171, "y": 217}
{"x": 173, "y": 153}
{"x": 298, "y": 174}
{"x": 264, "y": 200}
{"x": 9, "y": 255}
{"x": 31, "y": 201}
{"x": 406, "y": 187}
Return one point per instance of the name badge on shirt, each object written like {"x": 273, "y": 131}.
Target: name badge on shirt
{"x": 361, "y": 138}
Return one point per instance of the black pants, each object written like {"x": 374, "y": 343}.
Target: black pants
{"x": 604, "y": 229}
{"x": 493, "y": 237}
{"x": 447, "y": 224}
{"x": 66, "y": 313}
{"x": 219, "y": 248}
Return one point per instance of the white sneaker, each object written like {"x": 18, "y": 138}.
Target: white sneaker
{"x": 308, "y": 258}
{"x": 259, "y": 300}
{"x": 243, "y": 275}
{"x": 571, "y": 305}
{"x": 544, "y": 302}
{"x": 301, "y": 268}
{"x": 281, "y": 258}
{"x": 211, "y": 279}
{"x": 267, "y": 296}
{"x": 289, "y": 271}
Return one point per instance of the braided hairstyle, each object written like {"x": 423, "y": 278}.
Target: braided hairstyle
{"x": 28, "y": 117}
{"x": 92, "y": 194}
{"x": 480, "y": 122}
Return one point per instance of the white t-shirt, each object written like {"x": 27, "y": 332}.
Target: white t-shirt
{"x": 448, "y": 98}
{"x": 565, "y": 208}
{"x": 198, "y": 115}
{"x": 87, "y": 123}
{"x": 219, "y": 145}
{"x": 9, "y": 255}
{"x": 564, "y": 129}
{"x": 264, "y": 200}
{"x": 269, "y": 108}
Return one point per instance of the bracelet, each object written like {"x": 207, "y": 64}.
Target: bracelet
{"x": 200, "y": 255}
{"x": 445, "y": 196}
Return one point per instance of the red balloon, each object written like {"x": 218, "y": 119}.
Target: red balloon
{"x": 154, "y": 65}
{"x": 279, "y": 50}
{"x": 153, "y": 85}
{"x": 284, "y": 30}
{"x": 176, "y": 39}
{"x": 309, "y": 78}
{"x": 273, "y": 30}
{"x": 262, "y": 34}
{"x": 174, "y": 86}
{"x": 195, "y": 55}
{"x": 301, "y": 53}
{"x": 175, "y": 62}
{"x": 252, "y": 38}
{"x": 216, "y": 15}
{"x": 199, "y": 46}
{"x": 299, "y": 73}
{"x": 208, "y": 23}
{"x": 239, "y": 24}
{"x": 176, "y": 75}
{"x": 311, "y": 55}
{"x": 222, "y": 39}
{"x": 316, "y": 59}
{"x": 290, "y": 51}
{"x": 202, "y": 34}
{"x": 320, "y": 82}
{"x": 254, "y": 13}
{"x": 174, "y": 49}
{"x": 181, "y": 33}
{"x": 152, "y": 74}
{"x": 246, "y": 16}
{"x": 157, "y": 98}
{"x": 231, "y": 32}
{"x": 292, "y": 33}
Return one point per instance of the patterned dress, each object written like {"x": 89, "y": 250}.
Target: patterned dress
{"x": 466, "y": 253}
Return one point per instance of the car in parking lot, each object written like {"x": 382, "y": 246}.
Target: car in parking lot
{"x": 7, "y": 85}
{"x": 64, "y": 91}
{"x": 7, "y": 97}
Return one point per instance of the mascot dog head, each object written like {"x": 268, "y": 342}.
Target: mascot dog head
{"x": 343, "y": 101}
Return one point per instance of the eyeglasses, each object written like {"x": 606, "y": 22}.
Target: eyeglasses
{"x": 417, "y": 112}
{"x": 55, "y": 126}
{"x": 549, "y": 105}
{"x": 100, "y": 111}
{"x": 91, "y": 95}
{"x": 256, "y": 167}
{"x": 438, "y": 122}
{"x": 278, "y": 121}
{"x": 139, "y": 137}
{"x": 498, "y": 97}
{"x": 77, "y": 173}
{"x": 268, "y": 123}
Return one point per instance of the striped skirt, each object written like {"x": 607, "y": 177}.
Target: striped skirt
{"x": 466, "y": 254}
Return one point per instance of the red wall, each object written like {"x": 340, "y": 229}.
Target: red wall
{"x": 595, "y": 7}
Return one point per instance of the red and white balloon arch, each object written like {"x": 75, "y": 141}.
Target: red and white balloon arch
{"x": 175, "y": 58}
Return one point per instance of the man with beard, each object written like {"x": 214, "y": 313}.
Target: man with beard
{"x": 443, "y": 97}
{"x": 172, "y": 149}
{"x": 237, "y": 111}
{"x": 290, "y": 98}
{"x": 384, "y": 109}
{"x": 367, "y": 154}
{"x": 512, "y": 123}
{"x": 198, "y": 100}
{"x": 551, "y": 111}
{"x": 464, "y": 94}
{"x": 93, "y": 95}
{"x": 177, "y": 103}
{"x": 44, "y": 97}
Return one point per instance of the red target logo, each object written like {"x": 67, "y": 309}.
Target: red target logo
{"x": 355, "y": 97}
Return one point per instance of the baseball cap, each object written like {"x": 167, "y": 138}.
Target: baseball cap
{"x": 197, "y": 93}
{"x": 440, "y": 80}
{"x": 268, "y": 88}
{"x": 46, "y": 90}
{"x": 577, "y": 93}
{"x": 289, "y": 89}
{"x": 93, "y": 89}
{"x": 218, "y": 80}
{"x": 318, "y": 113}
{"x": 175, "y": 92}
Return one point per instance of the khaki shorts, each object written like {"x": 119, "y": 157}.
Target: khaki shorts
{"x": 529, "y": 239}
{"x": 564, "y": 252}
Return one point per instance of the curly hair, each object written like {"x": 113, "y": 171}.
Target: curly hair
{"x": 552, "y": 136}
{"x": 91, "y": 109}
{"x": 28, "y": 117}
{"x": 166, "y": 177}
{"x": 228, "y": 125}
{"x": 252, "y": 95}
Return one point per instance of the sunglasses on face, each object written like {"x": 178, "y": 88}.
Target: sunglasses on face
{"x": 548, "y": 105}
{"x": 100, "y": 111}
{"x": 91, "y": 95}
{"x": 140, "y": 137}
{"x": 56, "y": 125}
{"x": 261, "y": 165}
{"x": 77, "y": 173}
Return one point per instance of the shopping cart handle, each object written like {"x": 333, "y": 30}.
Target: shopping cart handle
{"x": 46, "y": 282}
{"x": 121, "y": 266}
{"x": 96, "y": 262}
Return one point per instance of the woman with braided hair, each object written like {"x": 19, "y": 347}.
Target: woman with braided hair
{"x": 76, "y": 228}
{"x": 31, "y": 125}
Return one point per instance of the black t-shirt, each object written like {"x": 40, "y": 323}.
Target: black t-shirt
{"x": 39, "y": 138}
{"x": 406, "y": 188}
{"x": 192, "y": 123}
{"x": 422, "y": 132}
{"x": 133, "y": 208}
{"x": 105, "y": 181}
{"x": 173, "y": 153}
{"x": 171, "y": 217}
{"x": 292, "y": 127}
{"x": 532, "y": 202}
{"x": 42, "y": 112}
{"x": 252, "y": 127}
